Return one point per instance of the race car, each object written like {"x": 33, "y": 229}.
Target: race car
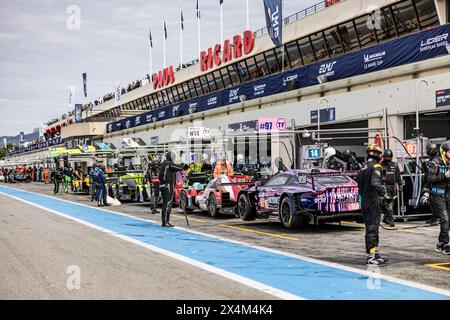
{"x": 217, "y": 196}
{"x": 299, "y": 196}
{"x": 126, "y": 186}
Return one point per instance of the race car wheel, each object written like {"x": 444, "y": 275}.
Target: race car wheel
{"x": 212, "y": 206}
{"x": 184, "y": 202}
{"x": 244, "y": 208}
{"x": 287, "y": 217}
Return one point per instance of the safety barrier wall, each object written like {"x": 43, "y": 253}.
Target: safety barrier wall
{"x": 409, "y": 49}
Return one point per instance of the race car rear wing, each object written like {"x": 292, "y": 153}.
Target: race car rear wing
{"x": 303, "y": 177}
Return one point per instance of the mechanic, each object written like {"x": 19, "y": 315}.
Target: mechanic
{"x": 391, "y": 179}
{"x": 439, "y": 179}
{"x": 68, "y": 176}
{"x": 331, "y": 161}
{"x": 166, "y": 177}
{"x": 433, "y": 156}
{"x": 206, "y": 165}
{"x": 92, "y": 178}
{"x": 100, "y": 185}
{"x": 280, "y": 165}
{"x": 57, "y": 176}
{"x": 151, "y": 178}
{"x": 223, "y": 167}
{"x": 351, "y": 163}
{"x": 371, "y": 190}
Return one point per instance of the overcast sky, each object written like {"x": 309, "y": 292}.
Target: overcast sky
{"x": 41, "y": 57}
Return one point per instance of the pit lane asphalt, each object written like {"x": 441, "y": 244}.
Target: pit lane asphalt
{"x": 410, "y": 250}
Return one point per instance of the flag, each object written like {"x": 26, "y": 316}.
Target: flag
{"x": 117, "y": 94}
{"x": 198, "y": 11}
{"x": 78, "y": 113}
{"x": 165, "y": 31}
{"x": 4, "y": 143}
{"x": 274, "y": 20}
{"x": 182, "y": 20}
{"x": 71, "y": 98}
{"x": 85, "y": 84}
{"x": 151, "y": 40}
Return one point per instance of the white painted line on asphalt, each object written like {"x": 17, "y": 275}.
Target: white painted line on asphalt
{"x": 229, "y": 275}
{"x": 292, "y": 255}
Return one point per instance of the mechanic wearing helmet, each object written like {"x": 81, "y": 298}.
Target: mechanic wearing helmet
{"x": 166, "y": 176}
{"x": 433, "y": 156}
{"x": 351, "y": 162}
{"x": 206, "y": 166}
{"x": 391, "y": 178}
{"x": 332, "y": 162}
{"x": 223, "y": 167}
{"x": 151, "y": 178}
{"x": 100, "y": 185}
{"x": 439, "y": 179}
{"x": 371, "y": 189}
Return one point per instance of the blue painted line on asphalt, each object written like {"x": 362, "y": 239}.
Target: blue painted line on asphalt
{"x": 293, "y": 275}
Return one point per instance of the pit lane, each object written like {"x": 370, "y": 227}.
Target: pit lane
{"x": 410, "y": 246}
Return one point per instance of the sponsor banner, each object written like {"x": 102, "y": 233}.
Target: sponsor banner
{"x": 417, "y": 47}
{"x": 274, "y": 20}
{"x": 198, "y": 132}
{"x": 270, "y": 125}
{"x": 247, "y": 126}
{"x": 443, "y": 98}
{"x": 85, "y": 84}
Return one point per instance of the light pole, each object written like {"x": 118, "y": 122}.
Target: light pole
{"x": 416, "y": 188}
{"x": 318, "y": 115}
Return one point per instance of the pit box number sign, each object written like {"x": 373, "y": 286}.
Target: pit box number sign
{"x": 313, "y": 153}
{"x": 272, "y": 125}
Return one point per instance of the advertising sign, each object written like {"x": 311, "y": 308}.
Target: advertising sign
{"x": 271, "y": 125}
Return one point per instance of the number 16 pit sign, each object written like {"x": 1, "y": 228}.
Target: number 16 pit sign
{"x": 271, "y": 125}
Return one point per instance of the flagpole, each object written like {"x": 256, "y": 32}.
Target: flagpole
{"x": 248, "y": 16}
{"x": 181, "y": 39}
{"x": 221, "y": 23}
{"x": 164, "y": 47}
{"x": 199, "y": 31}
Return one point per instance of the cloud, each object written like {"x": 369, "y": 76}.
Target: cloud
{"x": 40, "y": 57}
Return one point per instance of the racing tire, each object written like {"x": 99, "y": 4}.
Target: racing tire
{"x": 244, "y": 208}
{"x": 212, "y": 206}
{"x": 286, "y": 215}
{"x": 184, "y": 202}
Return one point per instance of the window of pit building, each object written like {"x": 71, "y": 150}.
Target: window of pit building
{"x": 198, "y": 86}
{"x": 387, "y": 28}
{"x": 234, "y": 76}
{"x": 319, "y": 46}
{"x": 148, "y": 103}
{"x": 212, "y": 81}
{"x": 348, "y": 35}
{"x": 252, "y": 69}
{"x": 334, "y": 42}
{"x": 192, "y": 91}
{"x": 261, "y": 65}
{"x": 218, "y": 80}
{"x": 367, "y": 36}
{"x": 293, "y": 53}
{"x": 426, "y": 10}
{"x": 226, "y": 77}
{"x": 281, "y": 57}
{"x": 405, "y": 17}
{"x": 185, "y": 90}
{"x": 272, "y": 62}
{"x": 205, "y": 84}
{"x": 306, "y": 50}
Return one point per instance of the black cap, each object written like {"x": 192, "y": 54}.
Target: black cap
{"x": 388, "y": 153}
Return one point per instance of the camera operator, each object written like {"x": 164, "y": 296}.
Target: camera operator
{"x": 166, "y": 176}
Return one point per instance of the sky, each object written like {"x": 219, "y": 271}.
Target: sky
{"x": 46, "y": 45}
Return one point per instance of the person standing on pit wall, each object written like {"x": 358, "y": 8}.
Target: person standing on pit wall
{"x": 391, "y": 179}
{"x": 371, "y": 191}
{"x": 439, "y": 179}
{"x": 167, "y": 173}
{"x": 433, "y": 157}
